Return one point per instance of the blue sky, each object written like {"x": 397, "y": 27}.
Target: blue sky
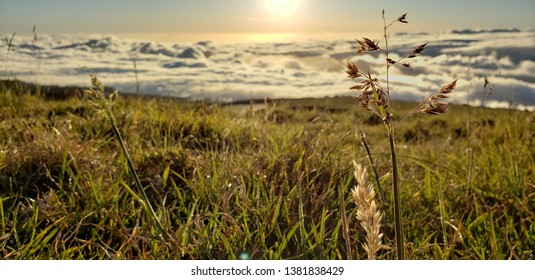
{"x": 253, "y": 16}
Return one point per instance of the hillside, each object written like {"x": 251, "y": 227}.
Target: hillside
{"x": 259, "y": 182}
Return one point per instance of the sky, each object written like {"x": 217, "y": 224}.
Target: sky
{"x": 234, "y": 49}
{"x": 194, "y": 18}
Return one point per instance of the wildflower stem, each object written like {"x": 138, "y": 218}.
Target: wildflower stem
{"x": 397, "y": 200}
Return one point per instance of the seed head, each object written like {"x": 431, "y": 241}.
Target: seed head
{"x": 363, "y": 100}
{"x": 367, "y": 45}
{"x": 434, "y": 105}
{"x": 368, "y": 214}
{"x": 352, "y": 70}
{"x": 402, "y": 18}
{"x": 100, "y": 101}
{"x": 435, "y": 108}
{"x": 358, "y": 87}
{"x": 449, "y": 87}
{"x": 419, "y": 49}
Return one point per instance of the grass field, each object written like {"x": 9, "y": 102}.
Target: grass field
{"x": 265, "y": 182}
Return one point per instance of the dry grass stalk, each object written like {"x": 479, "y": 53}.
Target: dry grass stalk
{"x": 367, "y": 213}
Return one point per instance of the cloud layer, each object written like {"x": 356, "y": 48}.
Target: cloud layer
{"x": 311, "y": 68}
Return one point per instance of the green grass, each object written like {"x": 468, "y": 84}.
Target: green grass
{"x": 270, "y": 184}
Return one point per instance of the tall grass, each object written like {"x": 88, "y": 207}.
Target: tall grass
{"x": 103, "y": 104}
{"x": 375, "y": 97}
{"x": 271, "y": 185}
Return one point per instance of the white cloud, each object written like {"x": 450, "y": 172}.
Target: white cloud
{"x": 291, "y": 69}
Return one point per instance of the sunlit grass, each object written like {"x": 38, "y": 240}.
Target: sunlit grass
{"x": 226, "y": 182}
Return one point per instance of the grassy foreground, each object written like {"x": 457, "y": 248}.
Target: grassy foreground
{"x": 232, "y": 182}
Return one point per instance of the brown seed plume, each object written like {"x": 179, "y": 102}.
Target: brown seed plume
{"x": 419, "y": 49}
{"x": 433, "y": 105}
{"x": 402, "y": 18}
{"x": 367, "y": 45}
{"x": 352, "y": 70}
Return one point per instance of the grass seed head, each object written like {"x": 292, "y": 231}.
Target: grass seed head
{"x": 367, "y": 213}
{"x": 434, "y": 105}
{"x": 352, "y": 70}
{"x": 101, "y": 102}
{"x": 367, "y": 45}
{"x": 449, "y": 87}
{"x": 420, "y": 49}
{"x": 402, "y": 18}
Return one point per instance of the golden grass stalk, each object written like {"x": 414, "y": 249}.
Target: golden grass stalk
{"x": 367, "y": 212}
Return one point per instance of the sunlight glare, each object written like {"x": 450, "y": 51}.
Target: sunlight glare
{"x": 282, "y": 8}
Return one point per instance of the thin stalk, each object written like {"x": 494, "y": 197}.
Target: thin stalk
{"x": 2, "y": 217}
{"x": 374, "y": 167}
{"x": 442, "y": 218}
{"x": 138, "y": 92}
{"x": 345, "y": 224}
{"x": 468, "y": 143}
{"x": 386, "y": 53}
{"x": 9, "y": 42}
{"x": 397, "y": 200}
{"x": 151, "y": 211}
{"x": 302, "y": 229}
{"x": 395, "y": 173}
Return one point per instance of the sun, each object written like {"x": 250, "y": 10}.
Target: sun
{"x": 282, "y": 8}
